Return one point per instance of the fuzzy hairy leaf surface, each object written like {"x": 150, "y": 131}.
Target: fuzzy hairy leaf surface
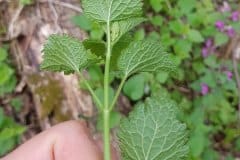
{"x": 118, "y": 47}
{"x": 96, "y": 47}
{"x": 152, "y": 132}
{"x": 112, "y": 10}
{"x": 119, "y": 28}
{"x": 64, "y": 53}
{"x": 144, "y": 56}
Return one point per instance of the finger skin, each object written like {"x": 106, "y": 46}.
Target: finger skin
{"x": 67, "y": 141}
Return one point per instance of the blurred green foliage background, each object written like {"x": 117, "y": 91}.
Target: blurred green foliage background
{"x": 198, "y": 34}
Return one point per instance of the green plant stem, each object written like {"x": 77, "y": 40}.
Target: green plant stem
{"x": 106, "y": 135}
{"x": 91, "y": 90}
{"x": 168, "y": 5}
{"x": 118, "y": 92}
{"x": 106, "y": 111}
{"x": 106, "y": 75}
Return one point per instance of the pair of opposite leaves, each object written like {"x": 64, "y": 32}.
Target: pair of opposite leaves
{"x": 152, "y": 131}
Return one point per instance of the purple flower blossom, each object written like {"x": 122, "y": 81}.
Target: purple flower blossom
{"x": 229, "y": 75}
{"x": 230, "y": 32}
{"x": 204, "y": 52}
{"x": 225, "y": 7}
{"x": 204, "y": 89}
{"x": 209, "y": 43}
{"x": 207, "y": 48}
{"x": 235, "y": 16}
{"x": 220, "y": 25}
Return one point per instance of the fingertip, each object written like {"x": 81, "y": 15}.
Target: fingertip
{"x": 74, "y": 142}
{"x": 69, "y": 140}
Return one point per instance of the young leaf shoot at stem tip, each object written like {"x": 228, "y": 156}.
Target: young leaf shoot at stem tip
{"x": 152, "y": 131}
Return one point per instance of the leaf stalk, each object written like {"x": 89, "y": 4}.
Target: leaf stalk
{"x": 118, "y": 92}
{"x": 91, "y": 90}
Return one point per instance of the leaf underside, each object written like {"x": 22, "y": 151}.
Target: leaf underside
{"x": 96, "y": 47}
{"x": 112, "y": 10}
{"x": 121, "y": 27}
{"x": 64, "y": 53}
{"x": 145, "y": 56}
{"x": 152, "y": 132}
{"x": 121, "y": 15}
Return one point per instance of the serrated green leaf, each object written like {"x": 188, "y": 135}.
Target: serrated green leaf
{"x": 8, "y": 146}
{"x": 11, "y": 132}
{"x": 211, "y": 61}
{"x": 209, "y": 78}
{"x": 122, "y": 44}
{"x": 187, "y": 6}
{"x": 220, "y": 39}
{"x": 195, "y": 36}
{"x": 200, "y": 140}
{"x": 236, "y": 26}
{"x": 9, "y": 86}
{"x": 167, "y": 39}
{"x": 195, "y": 19}
{"x": 152, "y": 131}
{"x": 144, "y": 56}
{"x": 3, "y": 54}
{"x": 97, "y": 31}
{"x": 162, "y": 77}
{"x": 157, "y": 20}
{"x": 17, "y": 104}
{"x": 97, "y": 34}
{"x": 210, "y": 154}
{"x": 100, "y": 94}
{"x": 114, "y": 120}
{"x": 6, "y": 73}
{"x": 95, "y": 73}
{"x": 9, "y": 135}
{"x": 140, "y": 34}
{"x": 134, "y": 87}
{"x": 156, "y": 5}
{"x": 82, "y": 22}
{"x": 64, "y": 53}
{"x": 96, "y": 47}
{"x": 112, "y": 10}
{"x": 182, "y": 48}
{"x": 121, "y": 27}
{"x": 176, "y": 26}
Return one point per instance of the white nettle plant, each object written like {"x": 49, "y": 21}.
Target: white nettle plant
{"x": 152, "y": 131}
